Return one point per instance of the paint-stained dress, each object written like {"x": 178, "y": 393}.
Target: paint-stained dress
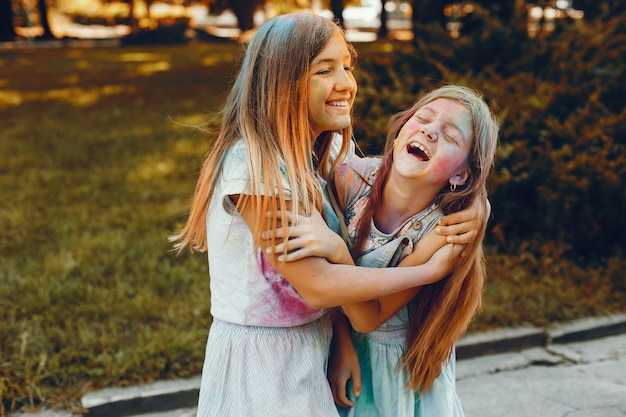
{"x": 384, "y": 391}
{"x": 267, "y": 350}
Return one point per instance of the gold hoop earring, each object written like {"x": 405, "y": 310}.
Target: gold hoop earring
{"x": 453, "y": 187}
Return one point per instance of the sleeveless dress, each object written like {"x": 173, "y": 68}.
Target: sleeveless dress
{"x": 267, "y": 350}
{"x": 384, "y": 392}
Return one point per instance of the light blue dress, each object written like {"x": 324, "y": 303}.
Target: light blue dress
{"x": 385, "y": 392}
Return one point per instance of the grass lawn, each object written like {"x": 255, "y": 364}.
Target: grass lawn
{"x": 99, "y": 150}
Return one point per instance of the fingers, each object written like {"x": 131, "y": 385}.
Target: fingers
{"x": 357, "y": 385}
{"x": 289, "y": 250}
{"x": 457, "y": 251}
{"x": 462, "y": 239}
{"x": 293, "y": 256}
{"x": 280, "y": 215}
{"x": 462, "y": 216}
{"x": 285, "y": 232}
{"x": 340, "y": 393}
{"x": 293, "y": 219}
{"x": 455, "y": 230}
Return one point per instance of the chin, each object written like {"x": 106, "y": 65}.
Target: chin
{"x": 343, "y": 123}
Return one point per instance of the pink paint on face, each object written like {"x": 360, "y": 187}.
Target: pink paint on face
{"x": 412, "y": 125}
{"x": 434, "y": 144}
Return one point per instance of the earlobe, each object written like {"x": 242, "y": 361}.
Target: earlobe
{"x": 459, "y": 179}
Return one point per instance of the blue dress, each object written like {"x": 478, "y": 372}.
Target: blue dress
{"x": 385, "y": 392}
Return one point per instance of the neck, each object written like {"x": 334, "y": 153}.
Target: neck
{"x": 402, "y": 199}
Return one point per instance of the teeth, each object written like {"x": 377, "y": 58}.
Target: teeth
{"x": 338, "y": 104}
{"x": 420, "y": 147}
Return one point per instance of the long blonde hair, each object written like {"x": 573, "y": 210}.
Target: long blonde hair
{"x": 267, "y": 107}
{"x": 444, "y": 309}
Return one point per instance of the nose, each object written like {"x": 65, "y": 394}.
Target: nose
{"x": 429, "y": 132}
{"x": 345, "y": 81}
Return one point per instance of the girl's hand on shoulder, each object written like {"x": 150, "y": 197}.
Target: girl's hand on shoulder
{"x": 463, "y": 226}
{"x": 304, "y": 237}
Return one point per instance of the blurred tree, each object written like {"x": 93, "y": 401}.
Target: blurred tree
{"x": 336, "y": 7}
{"x": 383, "y": 31}
{"x": 503, "y": 10}
{"x": 42, "y": 8}
{"x": 7, "y": 32}
{"x": 243, "y": 9}
{"x": 560, "y": 175}
{"x": 426, "y": 12}
{"x": 132, "y": 16}
{"x": 599, "y": 9}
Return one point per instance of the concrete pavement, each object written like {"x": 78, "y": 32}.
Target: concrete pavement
{"x": 574, "y": 370}
{"x": 582, "y": 379}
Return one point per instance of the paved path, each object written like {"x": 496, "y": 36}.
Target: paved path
{"x": 585, "y": 379}
{"x": 576, "y": 370}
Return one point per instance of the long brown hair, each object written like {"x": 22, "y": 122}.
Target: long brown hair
{"x": 267, "y": 107}
{"x": 444, "y": 309}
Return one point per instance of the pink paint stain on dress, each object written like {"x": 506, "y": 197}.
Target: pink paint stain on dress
{"x": 289, "y": 301}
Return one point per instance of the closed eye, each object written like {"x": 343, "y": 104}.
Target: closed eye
{"x": 451, "y": 138}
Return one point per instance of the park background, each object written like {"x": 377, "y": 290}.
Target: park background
{"x": 102, "y": 139}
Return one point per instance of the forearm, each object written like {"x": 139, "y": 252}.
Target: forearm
{"x": 341, "y": 329}
{"x": 328, "y": 285}
{"x": 364, "y": 316}
{"x": 323, "y": 284}
{"x": 369, "y": 315}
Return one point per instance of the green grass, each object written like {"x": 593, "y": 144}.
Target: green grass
{"x": 99, "y": 152}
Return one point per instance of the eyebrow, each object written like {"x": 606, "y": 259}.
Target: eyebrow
{"x": 317, "y": 61}
{"x": 323, "y": 61}
{"x": 463, "y": 136}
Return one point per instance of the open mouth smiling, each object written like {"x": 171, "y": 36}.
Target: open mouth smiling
{"x": 341, "y": 103}
{"x": 419, "y": 151}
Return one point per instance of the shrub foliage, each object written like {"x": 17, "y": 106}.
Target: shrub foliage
{"x": 559, "y": 172}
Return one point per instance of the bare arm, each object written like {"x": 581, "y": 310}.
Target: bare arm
{"x": 309, "y": 236}
{"x": 343, "y": 363}
{"x": 323, "y": 284}
{"x": 370, "y": 315}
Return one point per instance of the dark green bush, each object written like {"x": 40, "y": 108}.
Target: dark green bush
{"x": 560, "y": 98}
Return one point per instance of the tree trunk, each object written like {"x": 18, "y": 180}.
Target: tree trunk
{"x": 425, "y": 13}
{"x": 42, "y": 7}
{"x": 337, "y": 9}
{"x": 7, "y": 31}
{"x": 383, "y": 30}
{"x": 132, "y": 19}
{"x": 503, "y": 10}
{"x": 244, "y": 10}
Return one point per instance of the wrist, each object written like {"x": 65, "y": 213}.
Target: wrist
{"x": 340, "y": 253}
